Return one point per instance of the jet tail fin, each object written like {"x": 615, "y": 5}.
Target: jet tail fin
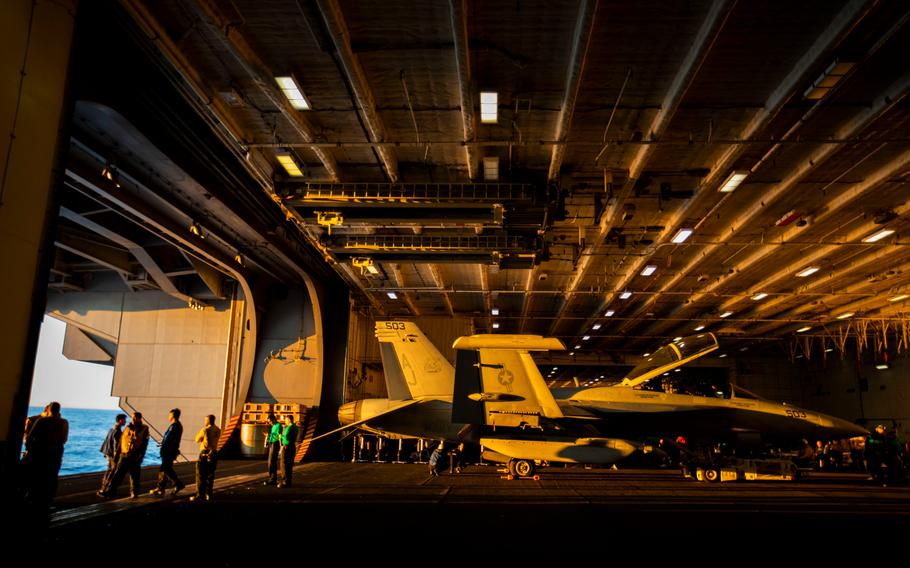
{"x": 498, "y": 383}
{"x": 413, "y": 367}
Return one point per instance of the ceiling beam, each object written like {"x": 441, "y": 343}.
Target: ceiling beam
{"x": 886, "y": 100}
{"x": 459, "y": 15}
{"x": 698, "y": 51}
{"x": 398, "y": 280}
{"x": 437, "y": 281}
{"x": 235, "y": 44}
{"x": 584, "y": 27}
{"x": 138, "y": 252}
{"x": 110, "y": 257}
{"x": 341, "y": 40}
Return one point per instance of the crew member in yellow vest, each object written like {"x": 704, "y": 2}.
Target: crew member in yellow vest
{"x": 208, "y": 459}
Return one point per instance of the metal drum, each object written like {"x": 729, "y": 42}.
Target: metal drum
{"x": 252, "y": 440}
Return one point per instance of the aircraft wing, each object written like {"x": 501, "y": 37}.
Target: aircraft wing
{"x": 404, "y": 404}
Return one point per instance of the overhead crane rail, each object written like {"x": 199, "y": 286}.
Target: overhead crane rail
{"x": 465, "y": 194}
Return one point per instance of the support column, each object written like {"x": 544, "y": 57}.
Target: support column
{"x": 35, "y": 41}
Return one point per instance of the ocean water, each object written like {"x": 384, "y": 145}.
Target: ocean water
{"x": 88, "y": 427}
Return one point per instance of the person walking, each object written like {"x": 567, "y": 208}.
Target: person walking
{"x": 273, "y": 449}
{"x": 170, "y": 449}
{"x": 208, "y": 459}
{"x": 44, "y": 450}
{"x": 133, "y": 443}
{"x": 111, "y": 447}
{"x": 288, "y": 450}
{"x": 435, "y": 458}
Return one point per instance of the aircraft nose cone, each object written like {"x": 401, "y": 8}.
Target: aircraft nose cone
{"x": 349, "y": 413}
{"x": 839, "y": 428}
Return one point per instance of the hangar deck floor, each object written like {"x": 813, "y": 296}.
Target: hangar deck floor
{"x": 365, "y": 504}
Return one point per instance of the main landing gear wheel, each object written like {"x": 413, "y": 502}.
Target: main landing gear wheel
{"x": 712, "y": 474}
{"x": 522, "y": 468}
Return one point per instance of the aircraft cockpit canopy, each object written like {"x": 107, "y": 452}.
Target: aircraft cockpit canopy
{"x": 670, "y": 356}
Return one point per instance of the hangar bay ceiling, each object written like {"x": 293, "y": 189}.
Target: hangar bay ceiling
{"x": 615, "y": 174}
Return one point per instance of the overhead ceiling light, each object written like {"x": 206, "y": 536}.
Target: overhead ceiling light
{"x": 495, "y": 326}
{"x": 554, "y": 368}
{"x": 196, "y": 229}
{"x": 802, "y": 329}
{"x": 699, "y": 328}
{"x": 596, "y": 326}
{"x": 722, "y": 355}
{"x": 491, "y": 168}
{"x": 875, "y": 237}
{"x": 733, "y": 180}
{"x": 609, "y": 313}
{"x": 392, "y": 295}
{"x": 625, "y": 295}
{"x": 826, "y": 81}
{"x": 578, "y": 347}
{"x": 760, "y": 296}
{"x": 675, "y": 339}
{"x": 807, "y": 271}
{"x": 495, "y": 311}
{"x": 829, "y": 350}
{"x": 881, "y": 366}
{"x": 489, "y": 107}
{"x": 845, "y": 315}
{"x": 585, "y": 338}
{"x": 646, "y": 355}
{"x": 899, "y": 298}
{"x": 681, "y": 235}
{"x": 293, "y": 92}
{"x": 726, "y": 314}
{"x": 287, "y": 161}
{"x": 649, "y": 270}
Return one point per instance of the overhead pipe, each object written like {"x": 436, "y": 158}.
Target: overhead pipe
{"x": 232, "y": 40}
{"x": 792, "y": 84}
{"x": 584, "y": 27}
{"x": 459, "y": 17}
{"x": 884, "y": 102}
{"x": 707, "y": 35}
{"x": 341, "y": 40}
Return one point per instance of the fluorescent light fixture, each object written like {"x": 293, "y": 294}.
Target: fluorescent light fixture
{"x": 596, "y": 326}
{"x": 845, "y": 315}
{"x": 802, "y": 329}
{"x": 760, "y": 296}
{"x": 649, "y": 270}
{"x": 372, "y": 269}
{"x": 699, "y": 328}
{"x": 495, "y": 326}
{"x": 489, "y": 107}
{"x": 491, "y": 168}
{"x": 625, "y": 295}
{"x": 875, "y": 237}
{"x": 827, "y": 80}
{"x": 289, "y": 164}
{"x": 743, "y": 348}
{"x": 807, "y": 271}
{"x": 733, "y": 180}
{"x": 609, "y": 313}
{"x": 495, "y": 311}
{"x": 578, "y": 347}
{"x": 392, "y": 295}
{"x": 722, "y": 355}
{"x": 681, "y": 235}
{"x": 882, "y": 366}
{"x": 585, "y": 338}
{"x": 646, "y": 355}
{"x": 293, "y": 92}
{"x": 554, "y": 368}
{"x": 675, "y": 339}
{"x": 829, "y": 350}
{"x": 899, "y": 298}
{"x": 726, "y": 314}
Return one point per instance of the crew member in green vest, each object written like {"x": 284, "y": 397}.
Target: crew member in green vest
{"x": 288, "y": 450}
{"x": 273, "y": 448}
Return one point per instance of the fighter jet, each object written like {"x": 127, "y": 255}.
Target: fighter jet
{"x": 503, "y": 403}
{"x": 419, "y": 381}
{"x": 499, "y": 388}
